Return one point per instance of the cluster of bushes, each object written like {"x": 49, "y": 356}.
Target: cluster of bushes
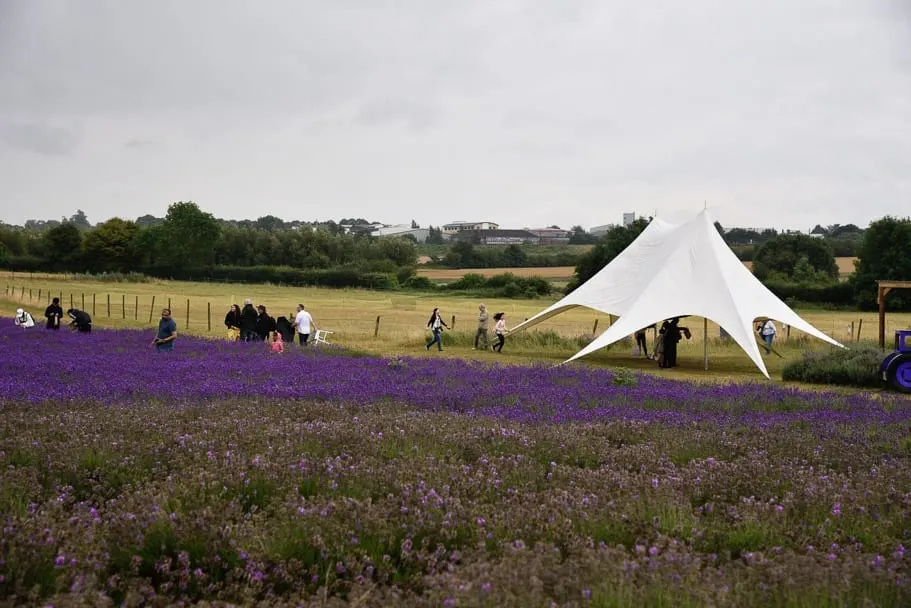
{"x": 834, "y": 294}
{"x": 506, "y": 285}
{"x": 463, "y": 254}
{"x": 341, "y": 276}
{"x": 847, "y": 367}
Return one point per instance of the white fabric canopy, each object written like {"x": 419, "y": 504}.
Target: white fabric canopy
{"x": 674, "y": 270}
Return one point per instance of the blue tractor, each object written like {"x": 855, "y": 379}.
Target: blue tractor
{"x": 896, "y": 367}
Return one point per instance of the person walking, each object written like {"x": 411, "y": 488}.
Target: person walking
{"x": 53, "y": 314}
{"x": 483, "y": 324}
{"x": 248, "y": 319}
{"x": 500, "y": 330}
{"x": 24, "y": 319}
{"x": 767, "y": 332}
{"x": 436, "y": 325}
{"x": 642, "y": 343}
{"x": 304, "y": 324}
{"x": 81, "y": 320}
{"x": 232, "y": 322}
{"x": 265, "y": 324}
{"x": 167, "y": 332}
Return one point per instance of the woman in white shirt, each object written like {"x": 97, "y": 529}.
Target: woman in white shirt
{"x": 768, "y": 332}
{"x": 24, "y": 319}
{"x": 436, "y": 325}
{"x": 500, "y": 330}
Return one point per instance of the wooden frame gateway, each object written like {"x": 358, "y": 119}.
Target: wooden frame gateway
{"x": 882, "y": 291}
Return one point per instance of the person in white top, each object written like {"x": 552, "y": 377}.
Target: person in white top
{"x": 304, "y": 324}
{"x": 24, "y": 319}
{"x": 768, "y": 332}
{"x": 500, "y": 330}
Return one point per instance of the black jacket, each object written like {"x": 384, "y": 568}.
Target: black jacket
{"x": 80, "y": 318}
{"x": 265, "y": 325}
{"x": 232, "y": 319}
{"x": 53, "y": 314}
{"x": 285, "y": 329}
{"x": 248, "y": 318}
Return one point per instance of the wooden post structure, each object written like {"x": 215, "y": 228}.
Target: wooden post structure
{"x": 209, "y": 315}
{"x": 123, "y": 306}
{"x": 705, "y": 343}
{"x": 93, "y": 306}
{"x": 83, "y": 301}
{"x": 883, "y": 289}
{"x": 136, "y": 309}
{"x": 151, "y": 309}
{"x": 452, "y": 327}
{"x": 169, "y": 303}
{"x": 39, "y": 295}
{"x": 595, "y": 327}
{"x": 376, "y": 330}
{"x": 71, "y": 300}
{"x": 860, "y": 323}
{"x": 29, "y": 294}
{"x": 109, "y": 306}
{"x": 187, "y": 324}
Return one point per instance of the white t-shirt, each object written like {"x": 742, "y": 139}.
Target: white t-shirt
{"x": 303, "y": 321}
{"x": 25, "y": 320}
{"x": 768, "y": 329}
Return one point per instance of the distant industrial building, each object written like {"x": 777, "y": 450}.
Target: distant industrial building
{"x": 419, "y": 234}
{"x": 497, "y": 237}
{"x": 550, "y": 236}
{"x": 457, "y": 227}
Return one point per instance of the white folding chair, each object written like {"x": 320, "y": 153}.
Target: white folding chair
{"x": 321, "y": 337}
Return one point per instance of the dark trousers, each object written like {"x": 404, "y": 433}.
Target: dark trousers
{"x": 642, "y": 344}
{"x": 247, "y": 335}
{"x": 303, "y": 338}
{"x": 481, "y": 333}
{"x": 501, "y": 340}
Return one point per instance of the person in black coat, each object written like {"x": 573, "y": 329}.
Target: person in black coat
{"x": 265, "y": 324}
{"x": 232, "y": 319}
{"x": 285, "y": 329}
{"x": 248, "y": 317}
{"x": 81, "y": 321}
{"x": 53, "y": 314}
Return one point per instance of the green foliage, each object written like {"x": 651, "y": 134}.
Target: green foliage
{"x": 505, "y": 285}
{"x": 610, "y": 246}
{"x": 62, "y": 247}
{"x": 188, "y": 236}
{"x": 847, "y": 367}
{"x": 782, "y": 254}
{"x": 885, "y": 255}
{"x": 834, "y": 294}
{"x": 108, "y": 248}
{"x": 463, "y": 254}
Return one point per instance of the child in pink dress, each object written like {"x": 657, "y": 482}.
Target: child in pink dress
{"x": 277, "y": 345}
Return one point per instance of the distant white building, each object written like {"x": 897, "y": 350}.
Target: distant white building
{"x": 628, "y": 218}
{"x": 550, "y": 236}
{"x": 457, "y": 227}
{"x": 600, "y": 230}
{"x": 419, "y": 234}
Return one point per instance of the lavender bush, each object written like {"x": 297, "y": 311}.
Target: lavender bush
{"x": 220, "y": 473}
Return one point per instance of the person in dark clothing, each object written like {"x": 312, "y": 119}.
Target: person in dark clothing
{"x": 53, "y": 314}
{"x": 671, "y": 338}
{"x": 248, "y": 317}
{"x": 81, "y": 321}
{"x": 285, "y": 329}
{"x": 641, "y": 342}
{"x": 232, "y": 319}
{"x": 265, "y": 324}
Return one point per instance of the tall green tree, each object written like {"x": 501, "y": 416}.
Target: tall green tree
{"x": 606, "y": 249}
{"x": 62, "y": 247}
{"x": 108, "y": 247}
{"x": 780, "y": 254}
{"x": 884, "y": 255}
{"x": 80, "y": 220}
{"x": 189, "y": 236}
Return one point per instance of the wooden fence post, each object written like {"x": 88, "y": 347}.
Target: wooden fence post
{"x": 376, "y": 330}
{"x": 595, "y": 327}
{"x": 123, "y": 306}
{"x": 187, "y": 325}
{"x": 49, "y": 297}
{"x": 209, "y": 315}
{"x": 83, "y": 302}
{"x": 39, "y": 295}
{"x": 452, "y": 327}
{"x": 860, "y": 324}
{"x": 71, "y": 301}
{"x": 109, "y": 306}
{"x": 136, "y": 309}
{"x": 29, "y": 294}
{"x": 93, "y": 306}
{"x": 788, "y": 336}
{"x": 151, "y": 309}
{"x": 169, "y": 303}
{"x": 22, "y": 295}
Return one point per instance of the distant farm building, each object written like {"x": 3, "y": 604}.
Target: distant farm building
{"x": 402, "y": 230}
{"x": 458, "y": 227}
{"x": 498, "y": 237}
{"x": 550, "y": 236}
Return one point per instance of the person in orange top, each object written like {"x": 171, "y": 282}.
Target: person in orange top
{"x": 277, "y": 345}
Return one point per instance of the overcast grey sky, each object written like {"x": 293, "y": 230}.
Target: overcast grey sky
{"x": 528, "y": 113}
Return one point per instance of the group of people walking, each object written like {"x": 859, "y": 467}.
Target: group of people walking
{"x": 436, "y": 325}
{"x": 254, "y": 324}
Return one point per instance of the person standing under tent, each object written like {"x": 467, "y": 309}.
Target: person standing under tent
{"x": 500, "y": 330}
{"x": 671, "y": 338}
{"x": 436, "y": 325}
{"x": 81, "y": 321}
{"x": 232, "y": 322}
{"x": 167, "y": 332}
{"x": 248, "y": 319}
{"x": 24, "y": 319}
{"x": 304, "y": 324}
{"x": 642, "y": 342}
{"x": 53, "y": 314}
{"x": 768, "y": 331}
{"x": 483, "y": 324}
{"x": 265, "y": 324}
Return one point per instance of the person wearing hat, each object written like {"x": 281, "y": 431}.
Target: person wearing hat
{"x": 24, "y": 319}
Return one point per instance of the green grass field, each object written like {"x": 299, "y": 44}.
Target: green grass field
{"x": 352, "y": 315}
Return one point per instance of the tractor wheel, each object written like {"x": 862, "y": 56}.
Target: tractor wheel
{"x": 900, "y": 373}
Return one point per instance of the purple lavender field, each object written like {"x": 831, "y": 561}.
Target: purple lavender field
{"x": 222, "y": 474}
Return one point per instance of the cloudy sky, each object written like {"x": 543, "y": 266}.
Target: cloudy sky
{"x": 525, "y": 112}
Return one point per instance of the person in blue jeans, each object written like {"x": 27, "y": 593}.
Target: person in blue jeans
{"x": 436, "y": 325}
{"x": 167, "y": 332}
